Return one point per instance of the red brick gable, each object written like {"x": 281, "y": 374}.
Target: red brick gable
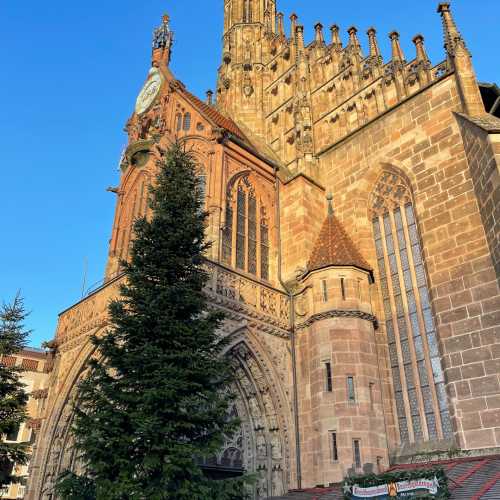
{"x": 335, "y": 248}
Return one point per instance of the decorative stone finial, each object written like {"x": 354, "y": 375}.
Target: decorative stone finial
{"x": 336, "y": 42}
{"x": 397, "y": 51}
{"x": 452, "y": 36}
{"x": 372, "y": 41}
{"x": 293, "y": 19}
{"x": 299, "y": 34}
{"x": 318, "y": 28}
{"x": 329, "y": 198}
{"x": 354, "y": 46}
{"x": 163, "y": 39}
{"x": 353, "y": 36}
{"x": 418, "y": 40}
{"x": 281, "y": 27}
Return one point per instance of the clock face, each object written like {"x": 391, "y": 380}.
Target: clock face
{"x": 149, "y": 91}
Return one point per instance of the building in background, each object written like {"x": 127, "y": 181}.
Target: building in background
{"x": 34, "y": 375}
{"x": 353, "y": 209}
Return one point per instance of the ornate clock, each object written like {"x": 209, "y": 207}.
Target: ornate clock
{"x": 149, "y": 91}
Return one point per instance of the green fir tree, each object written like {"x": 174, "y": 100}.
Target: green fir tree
{"x": 13, "y": 398}
{"x": 155, "y": 398}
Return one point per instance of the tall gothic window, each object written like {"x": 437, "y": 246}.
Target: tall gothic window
{"x": 421, "y": 402}
{"x": 186, "y": 124}
{"x": 246, "y": 231}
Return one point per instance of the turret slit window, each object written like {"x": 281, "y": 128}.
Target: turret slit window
{"x": 351, "y": 394}
{"x": 247, "y": 228}
{"x": 187, "y": 122}
{"x": 324, "y": 290}
{"x": 328, "y": 377}
{"x": 411, "y": 333}
{"x": 335, "y": 450}
{"x": 342, "y": 288}
{"x": 356, "y": 445}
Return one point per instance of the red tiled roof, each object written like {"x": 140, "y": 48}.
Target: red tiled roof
{"x": 8, "y": 361}
{"x": 213, "y": 115}
{"x": 335, "y": 248}
{"x": 30, "y": 365}
{"x": 470, "y": 478}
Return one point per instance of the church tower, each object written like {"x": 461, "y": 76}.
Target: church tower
{"x": 248, "y": 26}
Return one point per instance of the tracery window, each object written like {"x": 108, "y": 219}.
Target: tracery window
{"x": 186, "y": 125}
{"x": 245, "y": 237}
{"x": 178, "y": 122}
{"x": 421, "y": 402}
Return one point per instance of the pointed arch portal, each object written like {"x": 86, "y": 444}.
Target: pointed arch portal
{"x": 259, "y": 447}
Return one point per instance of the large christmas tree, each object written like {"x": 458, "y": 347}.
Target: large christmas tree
{"x": 13, "y": 399}
{"x": 155, "y": 400}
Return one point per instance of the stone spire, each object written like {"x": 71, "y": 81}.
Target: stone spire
{"x": 397, "y": 51}
{"x": 373, "y": 44}
{"x": 336, "y": 42}
{"x": 422, "y": 64}
{"x": 318, "y": 37}
{"x": 452, "y": 37}
{"x": 293, "y": 24}
{"x": 281, "y": 26}
{"x": 299, "y": 35}
{"x": 460, "y": 60}
{"x": 163, "y": 39}
{"x": 418, "y": 40}
{"x": 353, "y": 39}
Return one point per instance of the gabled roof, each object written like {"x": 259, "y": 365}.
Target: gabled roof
{"x": 335, "y": 248}
{"x": 213, "y": 115}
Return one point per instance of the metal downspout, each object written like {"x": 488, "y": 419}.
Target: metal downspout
{"x": 291, "y": 297}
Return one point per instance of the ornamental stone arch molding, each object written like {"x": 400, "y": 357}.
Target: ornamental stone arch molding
{"x": 262, "y": 445}
{"x": 263, "y": 408}
{"x": 54, "y": 452}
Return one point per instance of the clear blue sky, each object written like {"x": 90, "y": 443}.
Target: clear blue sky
{"x": 69, "y": 78}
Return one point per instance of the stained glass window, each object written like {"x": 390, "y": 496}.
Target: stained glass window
{"x": 410, "y": 325}
{"x": 252, "y": 234}
{"x": 247, "y": 228}
{"x": 241, "y": 223}
{"x": 187, "y": 122}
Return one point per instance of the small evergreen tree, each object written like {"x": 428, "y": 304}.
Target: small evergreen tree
{"x": 155, "y": 402}
{"x": 13, "y": 398}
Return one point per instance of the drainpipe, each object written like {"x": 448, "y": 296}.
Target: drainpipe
{"x": 291, "y": 297}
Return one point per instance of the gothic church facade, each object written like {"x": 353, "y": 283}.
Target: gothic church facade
{"x": 354, "y": 213}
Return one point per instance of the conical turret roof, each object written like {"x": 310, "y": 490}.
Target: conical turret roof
{"x": 334, "y": 247}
